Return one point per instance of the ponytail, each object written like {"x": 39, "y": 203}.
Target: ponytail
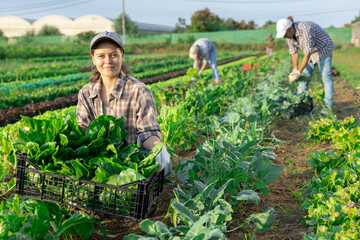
{"x": 95, "y": 75}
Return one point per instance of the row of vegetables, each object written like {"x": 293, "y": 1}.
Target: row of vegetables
{"x": 68, "y": 80}
{"x": 332, "y": 196}
{"x": 21, "y": 70}
{"x": 230, "y": 168}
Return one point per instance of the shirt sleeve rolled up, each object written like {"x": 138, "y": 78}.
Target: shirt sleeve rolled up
{"x": 147, "y": 117}
{"x": 82, "y": 111}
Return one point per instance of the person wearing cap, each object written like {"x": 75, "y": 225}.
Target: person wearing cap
{"x": 269, "y": 44}
{"x": 317, "y": 46}
{"x": 113, "y": 92}
{"x": 203, "y": 51}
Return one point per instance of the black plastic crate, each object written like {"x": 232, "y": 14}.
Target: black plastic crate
{"x": 132, "y": 200}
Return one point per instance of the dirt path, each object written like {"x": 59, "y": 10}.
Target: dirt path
{"x": 294, "y": 154}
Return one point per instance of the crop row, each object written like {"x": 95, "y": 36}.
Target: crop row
{"x": 30, "y": 69}
{"x": 332, "y": 197}
{"x": 20, "y": 93}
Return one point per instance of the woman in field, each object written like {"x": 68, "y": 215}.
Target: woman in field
{"x": 317, "y": 46}
{"x": 203, "y": 51}
{"x": 111, "y": 91}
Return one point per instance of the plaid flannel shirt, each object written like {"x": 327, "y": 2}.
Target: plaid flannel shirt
{"x": 311, "y": 38}
{"x": 129, "y": 98}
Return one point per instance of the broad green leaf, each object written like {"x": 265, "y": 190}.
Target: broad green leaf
{"x": 102, "y": 132}
{"x": 63, "y": 140}
{"x": 15, "y": 205}
{"x": 271, "y": 173}
{"x": 137, "y": 237}
{"x": 248, "y": 195}
{"x": 147, "y": 171}
{"x": 216, "y": 234}
{"x": 195, "y": 205}
{"x": 148, "y": 227}
{"x": 100, "y": 175}
{"x": 126, "y": 153}
{"x": 261, "y": 186}
{"x": 36, "y": 227}
{"x": 217, "y": 194}
{"x": 184, "y": 213}
{"x": 150, "y": 159}
{"x": 19, "y": 236}
{"x": 206, "y": 192}
{"x": 78, "y": 223}
{"x": 82, "y": 151}
{"x": 80, "y": 170}
{"x": 199, "y": 227}
{"x": 263, "y": 221}
{"x": 112, "y": 148}
{"x": 126, "y": 176}
{"x": 155, "y": 228}
{"x": 108, "y": 165}
{"x": 199, "y": 186}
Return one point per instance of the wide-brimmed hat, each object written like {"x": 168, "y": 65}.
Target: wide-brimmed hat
{"x": 193, "y": 53}
{"x": 107, "y": 35}
{"x": 282, "y": 26}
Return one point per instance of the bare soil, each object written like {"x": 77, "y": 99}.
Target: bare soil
{"x": 286, "y": 192}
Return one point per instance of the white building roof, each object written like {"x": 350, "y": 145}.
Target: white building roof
{"x": 14, "y": 26}
{"x": 64, "y": 24}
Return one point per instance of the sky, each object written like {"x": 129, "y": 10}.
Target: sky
{"x": 326, "y": 13}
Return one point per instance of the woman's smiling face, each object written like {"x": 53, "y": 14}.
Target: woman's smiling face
{"x": 107, "y": 58}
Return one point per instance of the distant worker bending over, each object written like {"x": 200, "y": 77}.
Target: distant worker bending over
{"x": 269, "y": 44}
{"x": 203, "y": 51}
{"x": 317, "y": 46}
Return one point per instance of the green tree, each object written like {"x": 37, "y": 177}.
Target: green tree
{"x": 181, "y": 26}
{"x": 232, "y": 24}
{"x": 30, "y": 33}
{"x": 48, "y": 30}
{"x": 205, "y": 21}
{"x": 242, "y": 25}
{"x": 86, "y": 36}
{"x": 251, "y": 25}
{"x": 130, "y": 26}
{"x": 2, "y": 36}
{"x": 269, "y": 25}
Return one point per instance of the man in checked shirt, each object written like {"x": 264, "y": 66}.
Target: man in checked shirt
{"x": 111, "y": 91}
{"x": 317, "y": 46}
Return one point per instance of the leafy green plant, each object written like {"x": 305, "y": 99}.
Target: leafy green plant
{"x": 219, "y": 160}
{"x": 321, "y": 159}
{"x": 61, "y": 146}
{"x": 192, "y": 72}
{"x": 321, "y": 130}
{"x": 31, "y": 219}
{"x": 178, "y": 127}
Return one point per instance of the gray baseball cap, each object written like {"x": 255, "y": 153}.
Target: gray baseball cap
{"x": 107, "y": 35}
